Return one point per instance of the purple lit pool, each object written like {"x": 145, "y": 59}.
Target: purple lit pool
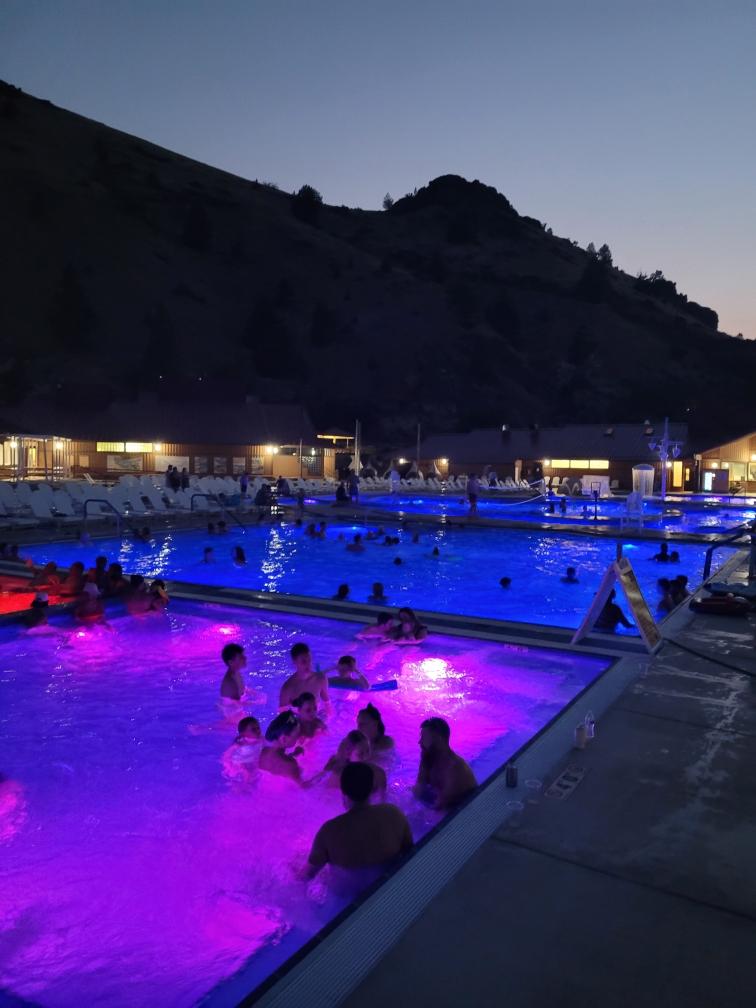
{"x": 132, "y": 872}
{"x": 690, "y": 517}
{"x": 464, "y": 578}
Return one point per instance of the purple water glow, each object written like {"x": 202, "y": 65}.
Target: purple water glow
{"x": 134, "y": 872}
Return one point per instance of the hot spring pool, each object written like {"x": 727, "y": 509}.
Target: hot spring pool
{"x": 691, "y": 517}
{"x": 463, "y": 579}
{"x": 132, "y": 873}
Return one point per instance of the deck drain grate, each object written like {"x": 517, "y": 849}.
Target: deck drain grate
{"x": 566, "y": 782}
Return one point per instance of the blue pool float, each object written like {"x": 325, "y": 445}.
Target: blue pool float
{"x": 389, "y": 684}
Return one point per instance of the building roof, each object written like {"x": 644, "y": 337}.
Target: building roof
{"x": 492, "y": 446}
{"x": 186, "y": 422}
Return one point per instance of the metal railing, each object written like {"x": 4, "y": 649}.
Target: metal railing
{"x": 216, "y": 500}
{"x": 108, "y": 504}
{"x": 742, "y": 530}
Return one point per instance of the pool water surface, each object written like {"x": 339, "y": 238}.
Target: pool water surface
{"x": 463, "y": 579}
{"x": 133, "y": 871}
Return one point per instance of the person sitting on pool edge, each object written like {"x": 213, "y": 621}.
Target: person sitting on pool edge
{"x": 384, "y": 622}
{"x": 570, "y": 576}
{"x": 355, "y": 748}
{"x": 305, "y": 679}
{"x": 310, "y": 724}
{"x": 409, "y": 631}
{"x": 443, "y": 777}
{"x": 282, "y": 734}
{"x": 365, "y": 836}
{"x": 378, "y": 596}
{"x": 232, "y": 685}
{"x": 348, "y": 675}
{"x": 611, "y": 615}
{"x": 370, "y": 723}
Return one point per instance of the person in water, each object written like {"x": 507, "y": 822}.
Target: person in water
{"x": 282, "y": 733}
{"x": 342, "y": 593}
{"x": 240, "y": 558}
{"x": 305, "y": 679}
{"x": 232, "y": 685}
{"x": 240, "y": 759}
{"x": 370, "y": 723}
{"x": 211, "y": 528}
{"x": 680, "y": 589}
{"x": 355, "y": 748}
{"x": 443, "y": 777}
{"x": 137, "y": 597}
{"x": 116, "y": 584}
{"x": 365, "y": 836}
{"x": 310, "y": 724}
{"x": 378, "y": 596}
{"x": 663, "y": 555}
{"x": 505, "y": 582}
{"x": 409, "y": 630}
{"x": 158, "y": 595}
{"x": 611, "y": 615}
{"x": 384, "y": 623}
{"x": 208, "y": 555}
{"x": 89, "y": 607}
{"x": 348, "y": 676}
{"x": 46, "y": 577}
{"x": 356, "y": 546}
{"x": 100, "y": 573}
{"x": 570, "y": 576}
{"x": 74, "y": 581}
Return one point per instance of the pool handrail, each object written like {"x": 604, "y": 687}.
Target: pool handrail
{"x": 727, "y": 541}
{"x": 108, "y": 504}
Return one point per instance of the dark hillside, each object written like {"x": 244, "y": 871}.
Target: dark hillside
{"x": 130, "y": 269}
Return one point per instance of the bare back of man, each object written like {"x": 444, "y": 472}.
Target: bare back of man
{"x": 315, "y": 683}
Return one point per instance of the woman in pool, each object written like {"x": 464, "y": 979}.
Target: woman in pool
{"x": 370, "y": 723}
{"x": 310, "y": 724}
{"x": 355, "y": 748}
{"x": 158, "y": 595}
{"x": 46, "y": 578}
{"x": 74, "y": 582}
{"x": 282, "y": 734}
{"x": 409, "y": 630}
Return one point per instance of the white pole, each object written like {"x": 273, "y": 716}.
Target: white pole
{"x": 664, "y": 453}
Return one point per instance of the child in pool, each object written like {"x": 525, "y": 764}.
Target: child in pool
{"x": 232, "y": 684}
{"x": 310, "y": 724}
{"x": 240, "y": 759}
{"x": 282, "y": 734}
{"x": 348, "y": 675}
{"x": 305, "y": 678}
{"x": 370, "y": 723}
{"x": 355, "y": 748}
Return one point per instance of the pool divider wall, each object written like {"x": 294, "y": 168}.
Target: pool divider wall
{"x": 335, "y": 960}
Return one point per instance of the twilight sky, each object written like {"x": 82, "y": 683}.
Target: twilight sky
{"x": 627, "y": 123}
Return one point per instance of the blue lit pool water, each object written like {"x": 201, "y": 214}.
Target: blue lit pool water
{"x": 463, "y": 579}
{"x": 133, "y": 873}
{"x": 699, "y": 518}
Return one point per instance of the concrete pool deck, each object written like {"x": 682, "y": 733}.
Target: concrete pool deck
{"x": 640, "y": 886}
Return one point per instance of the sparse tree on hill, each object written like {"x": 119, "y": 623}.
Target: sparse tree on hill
{"x": 388, "y": 201}
{"x": 590, "y": 248}
{"x": 605, "y": 255}
{"x": 306, "y": 204}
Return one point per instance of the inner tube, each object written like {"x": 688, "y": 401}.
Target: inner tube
{"x": 721, "y": 605}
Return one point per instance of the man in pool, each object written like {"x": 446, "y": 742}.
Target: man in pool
{"x": 365, "y": 836}
{"x": 443, "y": 777}
{"x": 570, "y": 576}
{"x": 384, "y": 622}
{"x": 611, "y": 615}
{"x": 232, "y": 684}
{"x": 305, "y": 679}
{"x": 348, "y": 675}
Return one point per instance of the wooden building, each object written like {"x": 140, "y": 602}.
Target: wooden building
{"x": 729, "y": 468}
{"x": 606, "y": 451}
{"x": 203, "y": 437}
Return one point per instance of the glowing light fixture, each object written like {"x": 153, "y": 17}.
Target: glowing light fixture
{"x": 13, "y": 443}
{"x": 58, "y": 445}
{"x": 157, "y": 446}
{"x": 271, "y": 449}
{"x": 547, "y": 462}
{"x": 402, "y": 461}
{"x": 715, "y": 465}
{"x": 445, "y": 461}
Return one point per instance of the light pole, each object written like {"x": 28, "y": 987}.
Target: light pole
{"x": 664, "y": 448}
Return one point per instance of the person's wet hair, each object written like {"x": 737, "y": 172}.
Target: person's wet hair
{"x": 231, "y": 651}
{"x": 342, "y": 591}
{"x": 281, "y": 725}
{"x": 350, "y": 741}
{"x": 357, "y": 781}
{"x": 505, "y": 582}
{"x": 299, "y": 649}
{"x": 374, "y": 714}
{"x": 438, "y": 726}
{"x": 397, "y": 561}
{"x": 348, "y": 660}
{"x": 248, "y": 724}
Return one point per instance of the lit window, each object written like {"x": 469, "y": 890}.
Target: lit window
{"x": 139, "y": 446}
{"x": 110, "y": 446}
{"x": 560, "y": 463}
{"x": 599, "y": 464}
{"x": 579, "y": 464}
